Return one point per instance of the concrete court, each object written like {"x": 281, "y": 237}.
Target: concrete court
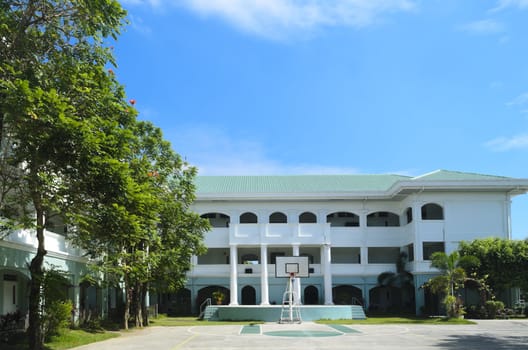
{"x": 486, "y": 335}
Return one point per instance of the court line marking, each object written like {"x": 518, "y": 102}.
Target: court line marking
{"x": 178, "y": 346}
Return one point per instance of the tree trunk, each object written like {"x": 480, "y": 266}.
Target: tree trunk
{"x": 138, "y": 305}
{"x": 128, "y": 296}
{"x": 144, "y": 304}
{"x": 34, "y": 332}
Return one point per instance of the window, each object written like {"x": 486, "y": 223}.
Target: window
{"x": 383, "y": 255}
{"x": 432, "y": 247}
{"x": 248, "y": 218}
{"x": 217, "y": 219}
{"x": 410, "y": 252}
{"x": 383, "y": 218}
{"x": 342, "y": 219}
{"x": 278, "y": 218}
{"x": 408, "y": 215}
{"x": 432, "y": 211}
{"x": 307, "y": 218}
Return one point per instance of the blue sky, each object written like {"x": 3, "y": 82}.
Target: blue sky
{"x": 334, "y": 86}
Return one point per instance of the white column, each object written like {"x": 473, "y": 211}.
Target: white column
{"x": 297, "y": 282}
{"x": 233, "y": 261}
{"x": 327, "y": 274}
{"x": 264, "y": 289}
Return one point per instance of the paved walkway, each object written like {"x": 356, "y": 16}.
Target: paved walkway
{"x": 486, "y": 335}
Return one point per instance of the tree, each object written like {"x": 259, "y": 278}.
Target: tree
{"x": 402, "y": 279}
{"x": 504, "y": 262}
{"x": 452, "y": 278}
{"x": 55, "y": 92}
{"x": 138, "y": 224}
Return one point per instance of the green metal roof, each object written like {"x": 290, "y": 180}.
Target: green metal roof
{"x": 320, "y": 184}
{"x": 446, "y": 175}
{"x": 296, "y": 183}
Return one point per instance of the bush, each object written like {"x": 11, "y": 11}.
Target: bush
{"x": 493, "y": 308}
{"x": 56, "y": 317}
{"x": 476, "y": 312}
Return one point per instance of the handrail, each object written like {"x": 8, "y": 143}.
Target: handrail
{"x": 203, "y": 307}
{"x": 356, "y": 301}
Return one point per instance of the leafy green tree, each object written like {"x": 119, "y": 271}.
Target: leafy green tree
{"x": 452, "y": 279}
{"x": 504, "y": 262}
{"x": 55, "y": 91}
{"x": 402, "y": 279}
{"x": 140, "y": 225}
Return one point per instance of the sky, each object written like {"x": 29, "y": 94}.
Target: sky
{"x": 249, "y": 87}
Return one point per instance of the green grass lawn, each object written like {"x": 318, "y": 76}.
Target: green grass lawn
{"x": 69, "y": 338}
{"x": 73, "y": 338}
{"x": 401, "y": 320}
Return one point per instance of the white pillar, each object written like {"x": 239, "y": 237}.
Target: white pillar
{"x": 327, "y": 274}
{"x": 264, "y": 289}
{"x": 297, "y": 281}
{"x": 233, "y": 260}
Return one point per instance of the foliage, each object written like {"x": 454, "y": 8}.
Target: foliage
{"x": 403, "y": 280}
{"x": 56, "y": 318}
{"x": 219, "y": 296}
{"x": 57, "y": 101}
{"x": 493, "y": 308}
{"x": 505, "y": 262}
{"x": 452, "y": 278}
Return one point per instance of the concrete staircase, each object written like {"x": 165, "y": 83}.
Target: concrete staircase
{"x": 358, "y": 313}
{"x": 210, "y": 313}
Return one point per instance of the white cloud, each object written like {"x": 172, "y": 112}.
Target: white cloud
{"x": 502, "y": 144}
{"x": 280, "y": 18}
{"x": 276, "y": 18}
{"x": 520, "y": 100}
{"x": 503, "y": 4}
{"x": 215, "y": 152}
{"x": 483, "y": 27}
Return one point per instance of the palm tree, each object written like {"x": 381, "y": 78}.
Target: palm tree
{"x": 453, "y": 278}
{"x": 402, "y": 279}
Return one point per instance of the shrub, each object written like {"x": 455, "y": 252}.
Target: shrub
{"x": 56, "y": 317}
{"x": 493, "y": 308}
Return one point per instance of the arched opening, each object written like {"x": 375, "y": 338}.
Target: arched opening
{"x": 216, "y": 219}
{"x": 207, "y": 292}
{"x": 249, "y": 296}
{"x": 432, "y": 211}
{"x": 307, "y": 218}
{"x": 343, "y": 219}
{"x": 383, "y": 218}
{"x": 248, "y": 218}
{"x": 278, "y": 218}
{"x": 409, "y": 215}
{"x": 347, "y": 295}
{"x": 176, "y": 304}
{"x": 311, "y": 295}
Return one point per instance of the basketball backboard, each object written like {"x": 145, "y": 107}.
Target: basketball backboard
{"x": 285, "y": 266}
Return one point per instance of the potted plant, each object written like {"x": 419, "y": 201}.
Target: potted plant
{"x": 219, "y": 297}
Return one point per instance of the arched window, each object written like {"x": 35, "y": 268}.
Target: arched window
{"x": 248, "y": 218}
{"x": 383, "y": 218}
{"x": 307, "y": 218}
{"x": 408, "y": 215}
{"x": 216, "y": 219}
{"x": 432, "y": 211}
{"x": 278, "y": 218}
{"x": 343, "y": 218}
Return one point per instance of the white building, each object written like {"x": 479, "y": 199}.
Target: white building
{"x": 352, "y": 228}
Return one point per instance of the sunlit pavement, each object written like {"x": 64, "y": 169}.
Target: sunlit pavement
{"x": 487, "y": 334}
